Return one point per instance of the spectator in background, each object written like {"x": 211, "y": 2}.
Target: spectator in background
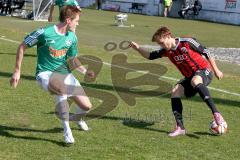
{"x": 197, "y": 6}
{"x": 99, "y": 4}
{"x": 1, "y": 6}
{"x": 6, "y": 7}
{"x": 167, "y": 7}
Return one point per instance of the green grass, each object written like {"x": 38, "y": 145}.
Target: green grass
{"x": 30, "y": 130}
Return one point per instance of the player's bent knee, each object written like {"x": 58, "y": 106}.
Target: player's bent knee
{"x": 196, "y": 80}
{"x": 88, "y": 106}
{"x": 177, "y": 91}
{"x": 83, "y": 102}
{"x": 175, "y": 95}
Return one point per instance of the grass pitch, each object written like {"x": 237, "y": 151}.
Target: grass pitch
{"x": 30, "y": 130}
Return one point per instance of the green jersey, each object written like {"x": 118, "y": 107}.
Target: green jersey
{"x": 62, "y": 3}
{"x": 53, "y": 49}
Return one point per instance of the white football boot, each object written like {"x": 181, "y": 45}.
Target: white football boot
{"x": 68, "y": 137}
{"x": 82, "y": 125}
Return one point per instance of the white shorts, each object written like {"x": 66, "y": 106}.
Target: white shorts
{"x": 44, "y": 77}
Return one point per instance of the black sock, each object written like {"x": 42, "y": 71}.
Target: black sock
{"x": 177, "y": 111}
{"x": 204, "y": 94}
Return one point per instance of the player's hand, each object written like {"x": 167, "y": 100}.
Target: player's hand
{"x": 134, "y": 45}
{"x": 90, "y": 74}
{"x": 219, "y": 74}
{"x": 15, "y": 79}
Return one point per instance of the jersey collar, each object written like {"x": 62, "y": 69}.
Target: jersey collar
{"x": 56, "y": 30}
{"x": 178, "y": 39}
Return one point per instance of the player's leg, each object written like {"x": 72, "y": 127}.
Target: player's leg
{"x": 200, "y": 81}
{"x": 197, "y": 83}
{"x": 177, "y": 93}
{"x": 84, "y": 105}
{"x": 169, "y": 7}
{"x": 62, "y": 108}
{"x": 165, "y": 11}
{"x": 79, "y": 96}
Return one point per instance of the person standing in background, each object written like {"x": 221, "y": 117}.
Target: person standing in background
{"x": 167, "y": 7}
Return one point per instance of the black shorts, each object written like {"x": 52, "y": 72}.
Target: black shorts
{"x": 189, "y": 90}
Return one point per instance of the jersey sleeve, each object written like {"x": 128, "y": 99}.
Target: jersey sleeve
{"x": 156, "y": 54}
{"x": 34, "y": 38}
{"x": 73, "y": 50}
{"x": 199, "y": 48}
{"x": 76, "y": 3}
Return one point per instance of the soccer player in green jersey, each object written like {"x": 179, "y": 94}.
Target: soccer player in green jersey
{"x": 56, "y": 55}
{"x": 60, "y": 4}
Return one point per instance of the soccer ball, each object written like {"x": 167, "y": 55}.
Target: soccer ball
{"x": 218, "y": 129}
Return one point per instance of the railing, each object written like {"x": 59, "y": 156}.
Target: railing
{"x": 131, "y": 1}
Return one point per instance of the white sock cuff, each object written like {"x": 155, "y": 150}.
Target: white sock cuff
{"x": 61, "y": 98}
{"x": 66, "y": 125}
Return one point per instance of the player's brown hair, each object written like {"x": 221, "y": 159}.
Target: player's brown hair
{"x": 161, "y": 32}
{"x": 68, "y": 12}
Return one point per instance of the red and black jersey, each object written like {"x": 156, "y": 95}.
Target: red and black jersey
{"x": 187, "y": 56}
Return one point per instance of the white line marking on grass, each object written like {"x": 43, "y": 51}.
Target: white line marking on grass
{"x": 139, "y": 71}
{"x": 9, "y": 40}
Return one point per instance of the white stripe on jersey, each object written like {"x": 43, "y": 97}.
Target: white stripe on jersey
{"x": 195, "y": 43}
{"x": 76, "y": 3}
{"x": 207, "y": 52}
{"x": 32, "y": 39}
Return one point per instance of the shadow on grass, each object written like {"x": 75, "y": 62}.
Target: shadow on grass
{"x": 204, "y": 134}
{"x": 4, "y": 131}
{"x": 130, "y": 122}
{"x": 141, "y": 124}
{"x": 14, "y": 54}
{"x": 9, "y": 75}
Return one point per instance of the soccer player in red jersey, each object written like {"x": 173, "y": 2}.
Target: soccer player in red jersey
{"x": 188, "y": 56}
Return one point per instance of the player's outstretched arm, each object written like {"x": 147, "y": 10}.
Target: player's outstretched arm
{"x": 17, "y": 70}
{"x": 74, "y": 63}
{"x": 140, "y": 50}
{"x": 217, "y": 72}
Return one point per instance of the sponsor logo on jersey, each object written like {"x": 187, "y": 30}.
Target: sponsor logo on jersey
{"x": 180, "y": 58}
{"x": 68, "y": 42}
{"x": 57, "y": 53}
